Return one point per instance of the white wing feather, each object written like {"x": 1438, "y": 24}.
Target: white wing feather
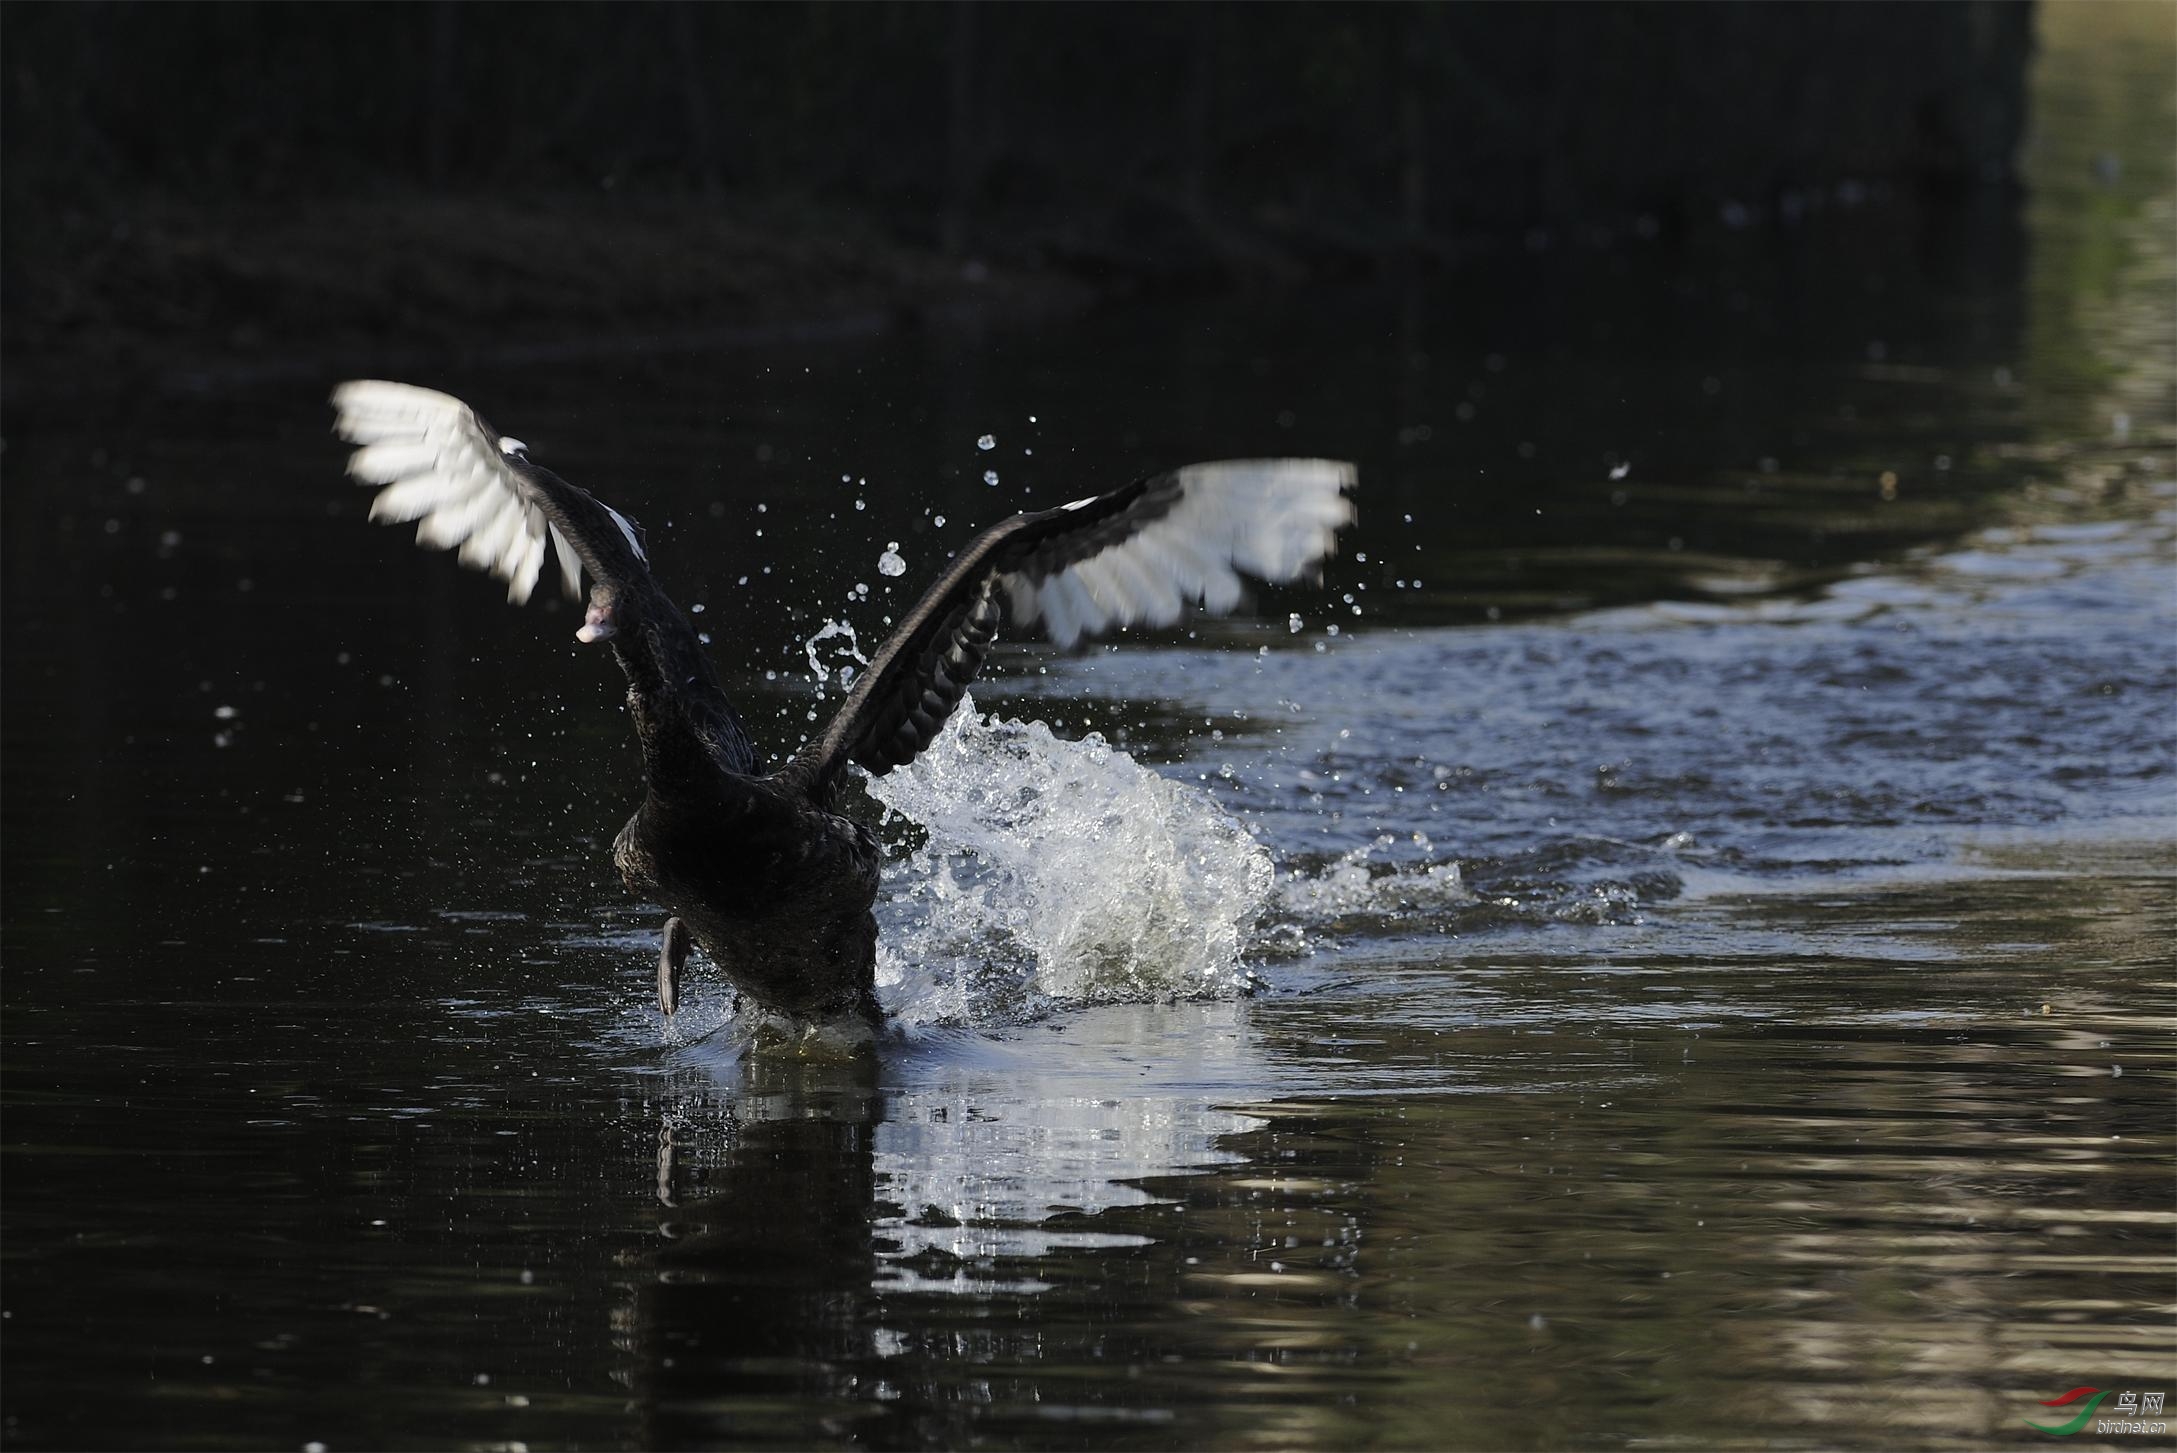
{"x": 440, "y": 467}
{"x": 1269, "y": 518}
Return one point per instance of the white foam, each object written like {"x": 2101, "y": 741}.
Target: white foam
{"x": 1057, "y": 873}
{"x": 1353, "y": 884}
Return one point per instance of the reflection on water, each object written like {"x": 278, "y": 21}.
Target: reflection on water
{"x": 1716, "y": 986}
{"x": 1497, "y": 1197}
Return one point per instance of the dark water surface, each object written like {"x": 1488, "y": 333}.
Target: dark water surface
{"x": 1716, "y": 987}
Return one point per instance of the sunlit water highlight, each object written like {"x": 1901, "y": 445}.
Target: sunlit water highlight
{"x": 1507, "y": 779}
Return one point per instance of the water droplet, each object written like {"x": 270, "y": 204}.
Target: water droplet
{"x": 822, "y": 671}
{"x": 990, "y": 476}
{"x": 988, "y": 441}
{"x": 890, "y": 563}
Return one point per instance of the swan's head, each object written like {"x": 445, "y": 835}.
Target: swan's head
{"x": 597, "y": 622}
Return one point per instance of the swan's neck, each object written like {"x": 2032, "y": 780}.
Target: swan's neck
{"x": 688, "y": 731}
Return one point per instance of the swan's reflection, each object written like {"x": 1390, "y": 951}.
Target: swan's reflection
{"x": 825, "y": 1224}
{"x": 765, "y": 1253}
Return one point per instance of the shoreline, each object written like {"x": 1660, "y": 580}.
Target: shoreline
{"x": 184, "y": 300}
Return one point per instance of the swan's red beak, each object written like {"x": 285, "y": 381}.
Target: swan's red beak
{"x": 596, "y": 625}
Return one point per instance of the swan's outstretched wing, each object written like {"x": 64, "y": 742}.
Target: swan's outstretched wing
{"x": 467, "y": 485}
{"x": 470, "y": 486}
{"x": 1140, "y": 554}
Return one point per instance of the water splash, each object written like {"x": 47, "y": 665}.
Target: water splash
{"x": 846, "y": 658}
{"x": 1362, "y": 882}
{"x": 1057, "y": 873}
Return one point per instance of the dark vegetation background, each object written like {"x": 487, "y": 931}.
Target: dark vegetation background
{"x": 195, "y": 192}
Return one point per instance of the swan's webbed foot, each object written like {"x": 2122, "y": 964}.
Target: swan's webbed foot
{"x": 672, "y": 953}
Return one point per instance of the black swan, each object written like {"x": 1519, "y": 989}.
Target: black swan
{"x": 758, "y": 865}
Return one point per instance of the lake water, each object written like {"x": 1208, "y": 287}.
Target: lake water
{"x": 1670, "y": 943}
